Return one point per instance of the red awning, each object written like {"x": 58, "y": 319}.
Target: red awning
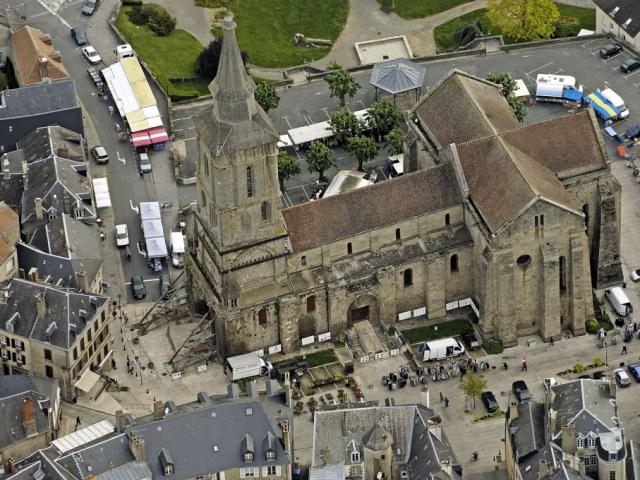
{"x": 158, "y": 135}
{"x": 141, "y": 139}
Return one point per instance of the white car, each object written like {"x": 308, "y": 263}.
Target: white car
{"x": 621, "y": 377}
{"x": 635, "y": 275}
{"x": 91, "y": 55}
{"x": 122, "y": 235}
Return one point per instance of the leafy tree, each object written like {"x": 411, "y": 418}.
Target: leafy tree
{"x": 394, "y": 141}
{"x": 341, "y": 83}
{"x": 209, "y": 58}
{"x": 467, "y": 33}
{"x": 508, "y": 85}
{"x": 363, "y": 148}
{"x": 227, "y": 4}
{"x": 288, "y": 166}
{"x": 344, "y": 124}
{"x": 524, "y": 19}
{"x": 266, "y": 96}
{"x": 162, "y": 24}
{"x": 473, "y": 384}
{"x": 320, "y": 159}
{"x": 382, "y": 117}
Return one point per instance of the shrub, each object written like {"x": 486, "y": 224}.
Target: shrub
{"x": 598, "y": 362}
{"x": 135, "y": 15}
{"x": 566, "y": 27}
{"x": 466, "y": 34}
{"x": 162, "y": 24}
{"x": 592, "y": 325}
{"x": 493, "y": 347}
{"x": 579, "y": 368}
{"x": 131, "y": 2}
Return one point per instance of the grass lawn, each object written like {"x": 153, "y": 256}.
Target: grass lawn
{"x": 173, "y": 56}
{"x": 444, "y": 34}
{"x": 445, "y": 329}
{"x": 266, "y": 28}
{"x": 315, "y": 359}
{"x": 420, "y": 8}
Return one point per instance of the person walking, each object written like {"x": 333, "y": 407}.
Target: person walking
{"x": 446, "y": 402}
{"x": 524, "y": 365}
{"x": 441, "y": 397}
{"x": 78, "y": 422}
{"x": 624, "y": 350}
{"x": 551, "y": 342}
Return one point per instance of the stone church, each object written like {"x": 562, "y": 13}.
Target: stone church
{"x": 522, "y": 220}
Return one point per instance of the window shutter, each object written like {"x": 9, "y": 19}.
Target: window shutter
{"x": 278, "y": 470}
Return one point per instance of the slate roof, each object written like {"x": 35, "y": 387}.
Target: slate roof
{"x": 527, "y": 429}
{"x": 11, "y": 188}
{"x": 397, "y": 75}
{"x": 53, "y": 140}
{"x": 385, "y": 203}
{"x": 41, "y": 461}
{"x": 62, "y": 307}
{"x": 627, "y": 9}
{"x": 503, "y": 181}
{"x": 28, "y": 46}
{"x": 235, "y": 122}
{"x": 38, "y": 99}
{"x": 9, "y": 231}
{"x": 68, "y": 237}
{"x": 12, "y": 393}
{"x": 128, "y": 471}
{"x": 462, "y": 107}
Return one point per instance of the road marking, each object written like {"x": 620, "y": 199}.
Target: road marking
{"x": 631, "y": 74}
{"x": 324, "y": 109}
{"x": 135, "y": 209}
{"x": 183, "y": 118}
{"x": 305, "y": 193}
{"x": 46, "y": 7}
{"x": 286, "y": 119}
{"x": 190, "y": 138}
{"x": 121, "y": 158}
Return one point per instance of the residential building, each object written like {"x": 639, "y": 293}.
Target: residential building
{"x": 54, "y": 332}
{"x": 29, "y": 416}
{"x": 486, "y": 214}
{"x": 620, "y": 18}
{"x": 575, "y": 433}
{"x": 38, "y": 105}
{"x": 34, "y": 57}
{"x": 9, "y": 236}
{"x": 405, "y": 441}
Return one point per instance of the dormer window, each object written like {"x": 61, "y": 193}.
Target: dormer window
{"x": 591, "y": 441}
{"x": 269, "y": 446}
{"x": 271, "y": 455}
{"x": 248, "y": 457}
{"x": 166, "y": 462}
{"x": 355, "y": 457}
{"x": 247, "y": 448}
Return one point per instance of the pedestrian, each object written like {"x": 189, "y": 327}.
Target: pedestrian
{"x": 624, "y": 350}
{"x": 441, "y": 397}
{"x": 78, "y": 422}
{"x": 113, "y": 363}
{"x": 551, "y": 343}
{"x": 446, "y": 402}
{"x": 475, "y": 456}
{"x": 524, "y": 365}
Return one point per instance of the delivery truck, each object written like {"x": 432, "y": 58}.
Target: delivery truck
{"x": 557, "y": 88}
{"x": 441, "y": 349}
{"x": 619, "y": 301}
{"x": 246, "y": 366}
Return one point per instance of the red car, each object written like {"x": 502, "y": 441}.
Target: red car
{"x": 471, "y": 340}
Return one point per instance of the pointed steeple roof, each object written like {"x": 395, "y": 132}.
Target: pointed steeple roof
{"x": 232, "y": 89}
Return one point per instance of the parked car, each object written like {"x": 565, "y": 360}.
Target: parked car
{"x": 635, "y": 275}
{"x": 490, "y": 402}
{"x": 99, "y": 154}
{"x": 600, "y": 375}
{"x": 634, "y": 370}
{"x": 630, "y": 65}
{"x": 471, "y": 340}
{"x": 95, "y": 77}
{"x": 621, "y": 377}
{"x": 610, "y": 50}
{"x": 122, "y": 235}
{"x": 144, "y": 162}
{"x": 79, "y": 36}
{"x": 633, "y": 132}
{"x": 137, "y": 287}
{"x": 89, "y": 7}
{"x": 521, "y": 391}
{"x": 165, "y": 284}
{"x": 91, "y": 55}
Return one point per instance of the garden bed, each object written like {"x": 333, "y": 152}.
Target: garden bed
{"x": 450, "y": 328}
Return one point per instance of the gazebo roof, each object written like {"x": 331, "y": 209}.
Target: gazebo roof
{"x": 397, "y": 76}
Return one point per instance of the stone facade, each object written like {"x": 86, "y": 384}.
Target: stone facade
{"x": 272, "y": 276}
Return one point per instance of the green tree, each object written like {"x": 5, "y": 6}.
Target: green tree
{"x": 473, "y": 384}
{"x": 341, "y": 83}
{"x": 320, "y": 159}
{"x": 382, "y": 117}
{"x": 344, "y": 124}
{"x": 508, "y": 85}
{"x": 393, "y": 141}
{"x": 524, "y": 19}
{"x": 288, "y": 167}
{"x": 266, "y": 96}
{"x": 363, "y": 148}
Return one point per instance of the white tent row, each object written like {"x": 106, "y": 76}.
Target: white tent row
{"x": 101, "y": 192}
{"x": 311, "y": 133}
{"x": 153, "y": 230}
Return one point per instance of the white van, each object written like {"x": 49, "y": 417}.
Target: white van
{"x": 619, "y": 301}
{"x": 441, "y": 349}
{"x": 616, "y": 101}
{"x": 177, "y": 249}
{"x": 124, "y": 51}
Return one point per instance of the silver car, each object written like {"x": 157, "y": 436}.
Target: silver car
{"x": 145, "y": 163}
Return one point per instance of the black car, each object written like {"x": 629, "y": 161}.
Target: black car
{"x": 137, "y": 287}
{"x": 471, "y": 340}
{"x": 89, "y": 7}
{"x": 165, "y": 284}
{"x": 610, "y": 50}
{"x": 634, "y": 371}
{"x": 600, "y": 375}
{"x": 490, "y": 402}
{"x": 79, "y": 36}
{"x": 521, "y": 391}
{"x": 94, "y": 74}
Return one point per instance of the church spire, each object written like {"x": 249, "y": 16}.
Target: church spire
{"x": 232, "y": 89}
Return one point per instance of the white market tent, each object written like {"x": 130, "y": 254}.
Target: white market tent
{"x": 310, "y": 133}
{"x": 83, "y": 436}
{"x": 101, "y": 192}
{"x": 156, "y": 245}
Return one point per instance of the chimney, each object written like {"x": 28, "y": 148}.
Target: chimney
{"x": 6, "y": 171}
{"x": 43, "y": 68}
{"x": 82, "y": 281}
{"x": 569, "y": 444}
{"x": 553, "y": 420}
{"x": 284, "y": 425}
{"x": 287, "y": 390}
{"x": 28, "y": 419}
{"x": 66, "y": 202}
{"x": 120, "y": 420}
{"x": 41, "y": 305}
{"x": 55, "y": 55}
{"x": 33, "y": 274}
{"x": 158, "y": 409}
{"x": 424, "y": 396}
{"x": 345, "y": 424}
{"x": 46, "y": 38}
{"x": 233, "y": 391}
{"x": 252, "y": 389}
{"x": 513, "y": 409}
{"x": 544, "y": 468}
{"x": 136, "y": 445}
{"x": 613, "y": 386}
{"x": 25, "y": 167}
{"x": 90, "y": 477}
{"x": 271, "y": 387}
{"x": 39, "y": 209}
{"x": 550, "y": 396}
{"x": 11, "y": 465}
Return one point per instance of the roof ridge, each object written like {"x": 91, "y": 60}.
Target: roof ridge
{"x": 543, "y": 122}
